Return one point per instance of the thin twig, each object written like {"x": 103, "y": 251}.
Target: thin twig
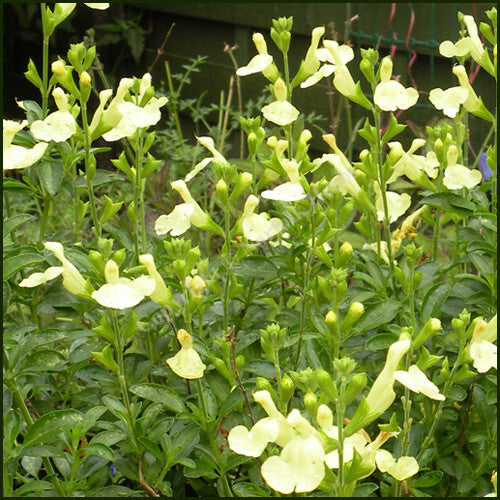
{"x": 147, "y": 487}
{"x": 159, "y": 51}
{"x": 226, "y": 115}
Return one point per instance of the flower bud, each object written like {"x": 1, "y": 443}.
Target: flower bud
{"x": 345, "y": 253}
{"x": 197, "y": 285}
{"x": 221, "y": 367}
{"x": 286, "y": 387}
{"x": 119, "y": 256}
{"x": 59, "y": 68}
{"x": 264, "y": 385}
{"x": 331, "y": 321}
{"x": 97, "y": 260}
{"x": 179, "y": 267}
{"x": 311, "y": 403}
{"x": 85, "y": 79}
{"x": 432, "y": 326}
{"x": 192, "y": 257}
{"x": 355, "y": 311}
{"x": 221, "y": 190}
{"x": 252, "y": 142}
{"x": 326, "y": 384}
{"x": 240, "y": 362}
{"x": 355, "y": 386}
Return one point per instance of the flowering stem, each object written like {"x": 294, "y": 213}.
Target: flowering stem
{"x": 305, "y": 283}
{"x": 340, "y": 409}
{"x": 139, "y": 194}
{"x": 119, "y": 346}
{"x": 43, "y": 221}
{"x": 211, "y": 438}
{"x": 87, "y": 142}
{"x": 45, "y": 65}
{"x": 439, "y": 411}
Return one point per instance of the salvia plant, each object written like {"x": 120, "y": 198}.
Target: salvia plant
{"x": 283, "y": 323}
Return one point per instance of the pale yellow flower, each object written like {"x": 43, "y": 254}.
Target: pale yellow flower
{"x": 448, "y": 100}
{"x": 122, "y": 293}
{"x": 187, "y": 362}
{"x": 416, "y": 380}
{"x": 217, "y": 157}
{"x": 161, "y": 294}
{"x": 280, "y": 112}
{"x": 482, "y": 350}
{"x": 257, "y": 227}
{"x": 14, "y": 156}
{"x": 60, "y": 125}
{"x": 458, "y": 176}
{"x": 37, "y": 279}
{"x": 289, "y": 191}
{"x": 389, "y": 94}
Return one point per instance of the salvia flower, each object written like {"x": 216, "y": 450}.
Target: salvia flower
{"x": 122, "y": 293}
{"x": 208, "y": 142}
{"x": 390, "y": 95}
{"x": 261, "y": 63}
{"x": 289, "y": 191}
{"x": 187, "y": 362}
{"x": 14, "y": 156}
{"x": 458, "y": 176}
{"x": 397, "y": 204}
{"x": 448, "y": 100}
{"x": 60, "y": 125}
{"x": 37, "y": 279}
{"x": 482, "y": 350}
{"x": 161, "y": 294}
{"x": 73, "y": 281}
{"x": 416, "y": 380}
{"x": 281, "y": 112}
{"x": 300, "y": 465}
{"x": 185, "y": 214}
{"x": 258, "y": 227}
{"x": 126, "y": 117}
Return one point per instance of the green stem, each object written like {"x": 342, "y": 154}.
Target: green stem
{"x": 45, "y": 65}
{"x": 435, "y": 236}
{"x": 43, "y": 221}
{"x": 211, "y": 439}
{"x": 173, "y": 105}
{"x": 340, "y": 407}
{"x": 87, "y": 142}
{"x": 119, "y": 346}
{"x": 139, "y": 194}
{"x": 439, "y": 410}
{"x": 382, "y": 185}
{"x": 305, "y": 283}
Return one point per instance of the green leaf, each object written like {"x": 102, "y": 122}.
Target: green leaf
{"x": 364, "y": 490}
{"x": 51, "y": 175}
{"x": 119, "y": 235}
{"x": 100, "y": 178}
{"x": 449, "y": 202}
{"x": 14, "y": 185}
{"x": 429, "y": 479}
{"x": 433, "y": 301}
{"x": 393, "y": 129}
{"x": 5, "y": 297}
{"x": 12, "y": 265}
{"x": 100, "y": 450}
{"x": 50, "y": 425}
{"x": 380, "y": 341}
{"x": 249, "y": 490}
{"x": 486, "y": 412}
{"x": 43, "y": 451}
{"x": 11, "y": 428}
{"x": 456, "y": 393}
{"x": 378, "y": 315}
{"x": 43, "y": 360}
{"x": 152, "y": 447}
{"x": 32, "y": 487}
{"x": 159, "y": 393}
{"x": 15, "y": 221}
{"x": 484, "y": 266}
{"x": 135, "y": 40}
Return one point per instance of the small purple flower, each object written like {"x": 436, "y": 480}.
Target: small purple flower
{"x": 112, "y": 470}
{"x": 485, "y": 170}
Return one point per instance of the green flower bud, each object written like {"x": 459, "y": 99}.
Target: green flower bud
{"x": 286, "y": 386}
{"x": 263, "y": 384}
{"x": 344, "y": 366}
{"x": 367, "y": 69}
{"x": 331, "y": 321}
{"x": 432, "y": 326}
{"x": 445, "y": 370}
{"x": 472, "y": 326}
{"x": 326, "y": 384}
{"x": 355, "y": 311}
{"x": 119, "y": 256}
{"x": 221, "y": 367}
{"x": 252, "y": 142}
{"x": 417, "y": 278}
{"x": 104, "y": 245}
{"x": 221, "y": 190}
{"x": 97, "y": 261}
{"x": 465, "y": 317}
{"x": 355, "y": 386}
{"x": 179, "y": 267}
{"x": 400, "y": 275}
{"x": 240, "y": 362}
{"x": 311, "y": 403}
{"x": 192, "y": 257}
{"x": 325, "y": 288}
{"x": 345, "y": 254}
{"x": 131, "y": 213}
